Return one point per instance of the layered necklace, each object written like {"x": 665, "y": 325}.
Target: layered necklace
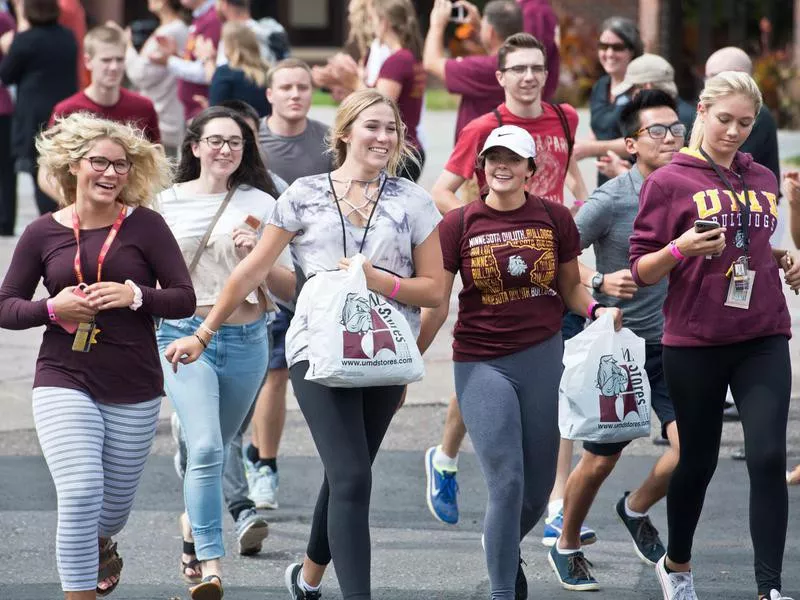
{"x": 368, "y": 198}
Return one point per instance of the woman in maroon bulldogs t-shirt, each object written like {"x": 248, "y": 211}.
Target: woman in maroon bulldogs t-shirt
{"x": 517, "y": 255}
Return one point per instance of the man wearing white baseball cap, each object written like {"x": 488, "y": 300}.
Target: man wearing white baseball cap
{"x": 517, "y": 257}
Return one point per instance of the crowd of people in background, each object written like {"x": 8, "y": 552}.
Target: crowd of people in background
{"x": 205, "y": 197}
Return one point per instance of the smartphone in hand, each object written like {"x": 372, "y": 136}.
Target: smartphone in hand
{"x": 458, "y": 14}
{"x": 701, "y": 225}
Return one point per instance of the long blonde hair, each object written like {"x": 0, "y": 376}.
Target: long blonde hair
{"x": 348, "y": 111}
{"x": 244, "y": 53}
{"x": 402, "y": 18}
{"x": 70, "y": 138}
{"x": 727, "y": 83}
{"x": 360, "y": 26}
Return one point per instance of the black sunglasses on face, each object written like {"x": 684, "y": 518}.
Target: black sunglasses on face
{"x": 617, "y": 47}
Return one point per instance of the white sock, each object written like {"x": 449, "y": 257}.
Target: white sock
{"x": 555, "y": 507}
{"x": 442, "y": 462}
{"x": 306, "y": 586}
{"x": 631, "y": 513}
{"x": 565, "y": 551}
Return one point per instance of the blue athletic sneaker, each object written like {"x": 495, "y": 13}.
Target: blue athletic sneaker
{"x": 572, "y": 570}
{"x": 553, "y": 527}
{"x": 440, "y": 491}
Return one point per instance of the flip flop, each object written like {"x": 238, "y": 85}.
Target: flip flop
{"x": 210, "y": 588}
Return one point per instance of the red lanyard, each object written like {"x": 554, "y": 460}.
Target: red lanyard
{"x": 76, "y": 225}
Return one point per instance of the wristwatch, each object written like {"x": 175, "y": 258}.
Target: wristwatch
{"x": 597, "y": 281}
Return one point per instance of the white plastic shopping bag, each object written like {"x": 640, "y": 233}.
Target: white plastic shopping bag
{"x": 355, "y": 337}
{"x": 604, "y": 394}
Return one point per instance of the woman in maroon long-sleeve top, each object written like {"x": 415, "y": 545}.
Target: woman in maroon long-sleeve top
{"x": 98, "y": 382}
{"x": 726, "y": 322}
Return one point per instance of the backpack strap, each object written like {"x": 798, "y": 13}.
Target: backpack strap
{"x": 565, "y": 126}
{"x": 499, "y": 117}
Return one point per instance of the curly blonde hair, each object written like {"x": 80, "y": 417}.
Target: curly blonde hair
{"x": 360, "y": 26}
{"x": 348, "y": 112}
{"x": 70, "y": 139}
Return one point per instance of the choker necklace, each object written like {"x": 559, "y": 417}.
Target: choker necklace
{"x": 368, "y": 198}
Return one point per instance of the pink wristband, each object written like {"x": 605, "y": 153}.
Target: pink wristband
{"x": 675, "y": 251}
{"x": 396, "y": 287}
{"x": 590, "y": 310}
{"x": 51, "y": 310}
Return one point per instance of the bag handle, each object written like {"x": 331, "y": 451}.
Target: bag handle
{"x": 207, "y": 235}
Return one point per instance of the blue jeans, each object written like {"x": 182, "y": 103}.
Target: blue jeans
{"x": 212, "y": 397}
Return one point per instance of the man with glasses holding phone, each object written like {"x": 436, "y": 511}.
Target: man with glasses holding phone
{"x": 473, "y": 77}
{"x": 653, "y": 134}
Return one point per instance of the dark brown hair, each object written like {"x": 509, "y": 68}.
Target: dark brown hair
{"x": 519, "y": 41}
{"x": 41, "y": 12}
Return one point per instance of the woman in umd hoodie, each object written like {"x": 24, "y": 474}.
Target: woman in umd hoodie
{"x": 726, "y": 322}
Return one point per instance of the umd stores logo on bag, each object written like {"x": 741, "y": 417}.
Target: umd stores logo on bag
{"x": 368, "y": 328}
{"x": 620, "y": 381}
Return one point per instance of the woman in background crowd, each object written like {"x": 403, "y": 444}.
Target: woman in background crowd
{"x": 155, "y": 81}
{"x": 244, "y": 77}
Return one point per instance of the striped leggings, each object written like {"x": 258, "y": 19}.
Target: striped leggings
{"x": 96, "y": 454}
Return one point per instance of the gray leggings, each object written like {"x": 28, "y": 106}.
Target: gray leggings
{"x": 510, "y": 408}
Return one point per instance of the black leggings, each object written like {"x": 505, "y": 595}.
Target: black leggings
{"x": 348, "y": 425}
{"x": 759, "y": 374}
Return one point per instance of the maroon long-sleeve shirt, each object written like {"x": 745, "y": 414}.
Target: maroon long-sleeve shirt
{"x": 671, "y": 200}
{"x": 123, "y": 367}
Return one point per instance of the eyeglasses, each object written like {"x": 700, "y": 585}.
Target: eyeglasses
{"x": 659, "y": 131}
{"x": 523, "y": 69}
{"x": 617, "y": 47}
{"x": 100, "y": 164}
{"x": 216, "y": 142}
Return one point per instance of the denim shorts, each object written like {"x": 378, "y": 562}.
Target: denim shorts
{"x": 278, "y": 329}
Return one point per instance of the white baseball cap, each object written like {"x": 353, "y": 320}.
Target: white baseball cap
{"x": 512, "y": 137}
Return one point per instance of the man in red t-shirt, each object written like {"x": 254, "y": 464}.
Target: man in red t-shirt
{"x": 521, "y": 72}
{"x": 104, "y": 56}
{"x": 472, "y": 76}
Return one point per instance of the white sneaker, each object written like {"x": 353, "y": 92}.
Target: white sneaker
{"x": 676, "y": 586}
{"x": 263, "y": 484}
{"x": 776, "y": 595}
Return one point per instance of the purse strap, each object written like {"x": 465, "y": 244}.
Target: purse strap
{"x": 207, "y": 235}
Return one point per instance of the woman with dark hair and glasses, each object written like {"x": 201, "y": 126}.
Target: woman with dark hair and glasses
{"x": 216, "y": 210}
{"x": 618, "y": 45}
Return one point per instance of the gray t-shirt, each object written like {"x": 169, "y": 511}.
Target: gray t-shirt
{"x": 404, "y": 217}
{"x": 297, "y": 156}
{"x": 606, "y": 221}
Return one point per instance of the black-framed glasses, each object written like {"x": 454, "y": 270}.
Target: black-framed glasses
{"x": 616, "y": 47}
{"x": 523, "y": 69}
{"x": 216, "y": 142}
{"x": 101, "y": 163}
{"x": 658, "y": 131}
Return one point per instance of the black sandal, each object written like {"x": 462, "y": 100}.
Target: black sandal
{"x": 194, "y": 564}
{"x": 110, "y": 566}
{"x": 210, "y": 588}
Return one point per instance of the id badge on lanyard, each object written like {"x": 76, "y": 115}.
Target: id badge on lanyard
{"x": 87, "y": 332}
{"x": 741, "y": 276}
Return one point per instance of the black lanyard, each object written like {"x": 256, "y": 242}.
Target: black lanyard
{"x": 745, "y": 225}
{"x": 341, "y": 216}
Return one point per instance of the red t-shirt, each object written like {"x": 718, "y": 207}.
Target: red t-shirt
{"x": 131, "y": 107}
{"x": 474, "y": 78}
{"x": 406, "y": 70}
{"x": 552, "y": 150}
{"x": 509, "y": 263}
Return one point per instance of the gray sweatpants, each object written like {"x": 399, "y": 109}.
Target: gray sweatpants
{"x": 510, "y": 408}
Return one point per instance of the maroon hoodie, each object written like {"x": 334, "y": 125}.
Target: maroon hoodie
{"x": 670, "y": 201}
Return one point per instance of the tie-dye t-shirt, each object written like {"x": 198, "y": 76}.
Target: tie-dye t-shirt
{"x": 404, "y": 217}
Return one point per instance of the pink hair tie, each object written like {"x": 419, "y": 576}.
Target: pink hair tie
{"x": 675, "y": 251}
{"x": 396, "y": 287}
{"x": 51, "y": 311}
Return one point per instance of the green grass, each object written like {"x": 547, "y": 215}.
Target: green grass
{"x": 436, "y": 99}
{"x": 792, "y": 160}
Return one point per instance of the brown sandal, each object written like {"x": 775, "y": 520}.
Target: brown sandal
{"x": 210, "y": 588}
{"x": 110, "y": 566}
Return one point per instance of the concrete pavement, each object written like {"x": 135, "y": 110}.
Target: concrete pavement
{"x": 414, "y": 557}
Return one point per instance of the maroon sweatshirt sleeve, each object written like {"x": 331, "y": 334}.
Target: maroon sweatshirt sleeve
{"x": 17, "y": 310}
{"x": 175, "y": 299}
{"x": 653, "y": 228}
